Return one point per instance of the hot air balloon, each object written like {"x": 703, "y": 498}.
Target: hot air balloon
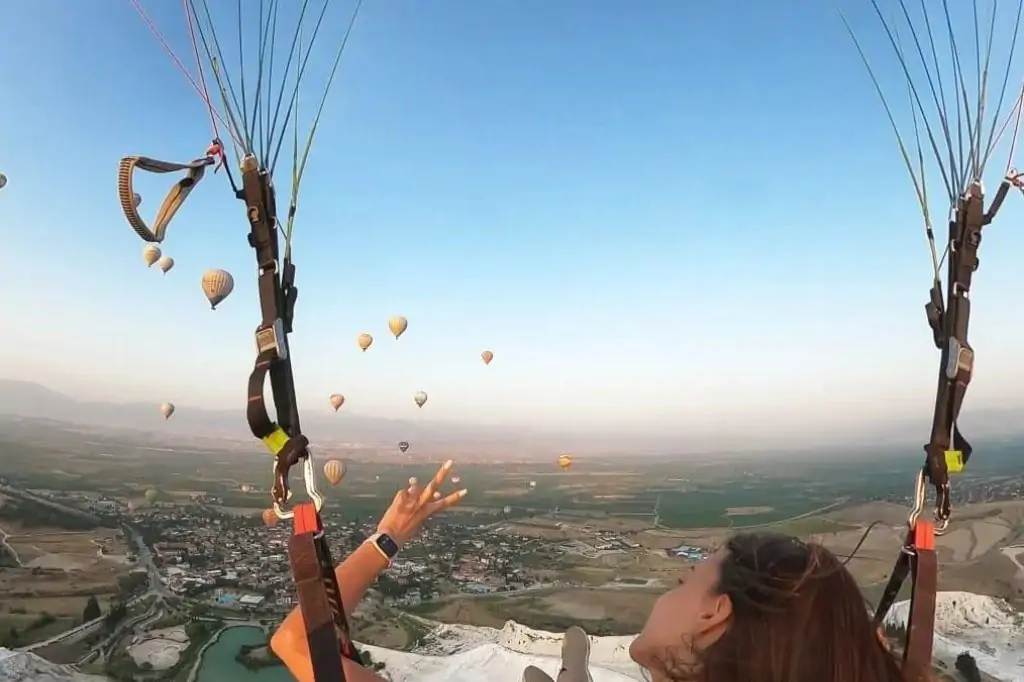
{"x": 151, "y": 495}
{"x": 456, "y": 480}
{"x": 217, "y": 285}
{"x": 167, "y": 409}
{"x": 376, "y": 478}
{"x": 487, "y": 356}
{"x": 364, "y": 341}
{"x": 3, "y": 180}
{"x": 335, "y": 471}
{"x": 403, "y": 446}
{"x": 166, "y": 263}
{"x": 420, "y": 398}
{"x": 269, "y": 517}
{"x": 565, "y": 461}
{"x": 337, "y": 400}
{"x": 246, "y": 488}
{"x": 508, "y": 510}
{"x": 398, "y": 325}
{"x": 150, "y": 254}
{"x": 533, "y": 484}
{"x": 136, "y": 199}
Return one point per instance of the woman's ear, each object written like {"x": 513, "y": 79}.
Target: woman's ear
{"x": 713, "y": 620}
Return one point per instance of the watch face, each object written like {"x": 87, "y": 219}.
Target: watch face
{"x": 389, "y": 546}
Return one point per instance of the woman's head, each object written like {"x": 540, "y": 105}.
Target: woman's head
{"x": 765, "y": 608}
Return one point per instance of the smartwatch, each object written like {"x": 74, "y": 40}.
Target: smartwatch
{"x": 384, "y": 544}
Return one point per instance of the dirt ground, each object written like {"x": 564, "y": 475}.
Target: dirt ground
{"x": 60, "y": 571}
{"x": 975, "y": 554}
{"x": 602, "y": 611}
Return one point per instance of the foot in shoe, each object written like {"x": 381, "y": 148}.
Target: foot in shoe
{"x": 575, "y": 656}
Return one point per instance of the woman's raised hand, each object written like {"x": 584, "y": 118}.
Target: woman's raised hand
{"x": 414, "y": 504}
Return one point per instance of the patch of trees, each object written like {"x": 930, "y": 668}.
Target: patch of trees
{"x": 131, "y": 584}
{"x": 115, "y": 615}
{"x": 92, "y": 610}
{"x": 32, "y": 514}
{"x": 968, "y": 667}
{"x": 260, "y": 659}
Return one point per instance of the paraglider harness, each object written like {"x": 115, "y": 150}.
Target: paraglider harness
{"x": 947, "y": 452}
{"x": 312, "y": 567}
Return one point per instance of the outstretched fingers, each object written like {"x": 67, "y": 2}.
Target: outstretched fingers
{"x": 435, "y": 483}
{"x": 445, "y": 502}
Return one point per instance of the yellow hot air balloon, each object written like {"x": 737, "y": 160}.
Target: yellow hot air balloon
{"x": 165, "y": 263}
{"x": 217, "y": 285}
{"x": 151, "y": 495}
{"x": 487, "y": 356}
{"x": 150, "y": 254}
{"x": 565, "y": 461}
{"x": 398, "y": 325}
{"x": 364, "y": 341}
{"x": 419, "y": 398}
{"x": 337, "y": 400}
{"x": 335, "y": 471}
{"x": 167, "y": 409}
{"x": 269, "y": 517}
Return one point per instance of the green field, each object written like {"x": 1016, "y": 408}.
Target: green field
{"x": 687, "y": 493}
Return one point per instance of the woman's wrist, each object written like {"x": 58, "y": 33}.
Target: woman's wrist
{"x": 399, "y": 539}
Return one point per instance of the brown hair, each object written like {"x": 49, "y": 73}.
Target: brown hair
{"x": 798, "y": 616}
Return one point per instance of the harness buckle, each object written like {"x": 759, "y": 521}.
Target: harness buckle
{"x": 272, "y": 339}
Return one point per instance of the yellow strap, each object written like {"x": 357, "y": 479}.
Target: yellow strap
{"x": 172, "y": 202}
{"x": 954, "y": 461}
{"x": 276, "y": 441}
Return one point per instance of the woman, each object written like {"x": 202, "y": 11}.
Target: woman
{"x": 765, "y": 608}
{"x": 410, "y": 508}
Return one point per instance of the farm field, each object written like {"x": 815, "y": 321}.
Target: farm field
{"x": 59, "y": 571}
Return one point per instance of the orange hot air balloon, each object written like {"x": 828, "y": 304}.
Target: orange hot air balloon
{"x": 565, "y": 461}
{"x": 335, "y": 471}
{"x": 487, "y": 356}
{"x": 398, "y": 325}
{"x": 269, "y": 517}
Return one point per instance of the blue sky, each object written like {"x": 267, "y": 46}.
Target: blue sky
{"x": 655, "y": 214}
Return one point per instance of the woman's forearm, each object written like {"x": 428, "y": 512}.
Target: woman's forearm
{"x": 355, "y": 575}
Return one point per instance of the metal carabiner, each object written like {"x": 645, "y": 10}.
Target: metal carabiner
{"x": 920, "y": 498}
{"x": 309, "y": 478}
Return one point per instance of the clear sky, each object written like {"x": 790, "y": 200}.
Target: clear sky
{"x": 656, "y": 214}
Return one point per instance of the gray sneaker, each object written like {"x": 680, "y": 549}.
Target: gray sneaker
{"x": 575, "y": 656}
{"x": 535, "y": 674}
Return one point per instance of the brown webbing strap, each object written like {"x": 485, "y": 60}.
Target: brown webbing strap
{"x": 172, "y": 202}
{"x": 917, "y": 560}
{"x": 320, "y": 603}
{"x": 917, "y": 655}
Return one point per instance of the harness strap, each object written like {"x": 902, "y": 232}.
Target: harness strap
{"x": 172, "y": 202}
{"x": 312, "y": 567}
{"x": 918, "y": 561}
{"x": 327, "y": 630}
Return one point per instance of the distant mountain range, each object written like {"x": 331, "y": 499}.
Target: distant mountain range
{"x": 32, "y": 400}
